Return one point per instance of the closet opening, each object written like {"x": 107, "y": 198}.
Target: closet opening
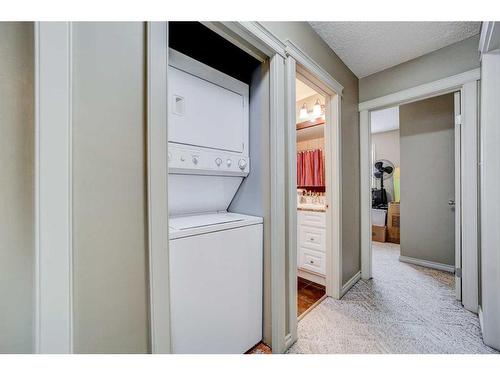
{"x": 311, "y": 202}
{"x": 218, "y": 189}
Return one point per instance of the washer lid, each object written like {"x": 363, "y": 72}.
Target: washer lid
{"x": 196, "y": 221}
{"x": 183, "y": 226}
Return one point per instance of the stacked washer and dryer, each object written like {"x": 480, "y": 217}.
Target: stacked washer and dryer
{"x": 216, "y": 256}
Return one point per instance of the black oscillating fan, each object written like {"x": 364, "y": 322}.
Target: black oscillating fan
{"x": 382, "y": 169}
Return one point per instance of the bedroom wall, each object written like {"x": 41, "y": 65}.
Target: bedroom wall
{"x": 428, "y": 179}
{"x": 387, "y": 147}
{"x": 302, "y": 34}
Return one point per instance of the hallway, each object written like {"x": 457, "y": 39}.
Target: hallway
{"x": 403, "y": 309}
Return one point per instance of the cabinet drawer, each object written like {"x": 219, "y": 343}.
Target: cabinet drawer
{"x": 311, "y": 260}
{"x": 313, "y": 219}
{"x": 312, "y": 238}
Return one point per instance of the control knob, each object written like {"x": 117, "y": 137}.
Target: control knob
{"x": 195, "y": 160}
{"x": 242, "y": 164}
{"x": 218, "y": 161}
{"x": 229, "y": 162}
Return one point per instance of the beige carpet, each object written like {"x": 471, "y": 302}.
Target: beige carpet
{"x": 403, "y": 309}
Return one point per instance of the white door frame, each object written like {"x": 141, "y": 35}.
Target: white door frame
{"x": 157, "y": 186}
{"x": 299, "y": 63}
{"x": 53, "y": 317}
{"x": 489, "y": 311}
{"x": 457, "y": 106}
{"x": 466, "y": 83}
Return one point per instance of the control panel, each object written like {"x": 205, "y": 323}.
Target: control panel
{"x": 185, "y": 159}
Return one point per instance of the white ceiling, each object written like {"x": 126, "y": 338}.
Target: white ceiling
{"x": 370, "y": 47}
{"x": 302, "y": 91}
{"x": 384, "y": 120}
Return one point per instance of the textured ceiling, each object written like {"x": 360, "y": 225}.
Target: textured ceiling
{"x": 369, "y": 47}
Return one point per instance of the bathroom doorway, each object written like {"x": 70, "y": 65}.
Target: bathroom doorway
{"x": 314, "y": 251}
{"x": 311, "y": 203}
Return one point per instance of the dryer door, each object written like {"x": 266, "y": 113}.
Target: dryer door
{"x": 204, "y": 114}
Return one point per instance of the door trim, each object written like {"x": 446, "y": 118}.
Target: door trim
{"x": 299, "y": 63}
{"x": 457, "y": 122}
{"x": 469, "y": 187}
{"x": 291, "y": 189}
{"x": 53, "y": 317}
{"x": 424, "y": 91}
{"x": 278, "y": 205}
{"x": 466, "y": 83}
{"x": 157, "y": 186}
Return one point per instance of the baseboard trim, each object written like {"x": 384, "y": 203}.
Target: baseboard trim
{"x": 480, "y": 314}
{"x": 427, "y": 263}
{"x": 348, "y": 285}
{"x": 318, "y": 279}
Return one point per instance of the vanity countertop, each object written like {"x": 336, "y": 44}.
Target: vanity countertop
{"x": 311, "y": 207}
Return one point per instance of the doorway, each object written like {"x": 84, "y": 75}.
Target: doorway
{"x": 311, "y": 203}
{"x": 414, "y": 165}
{"x": 323, "y": 227}
{"x": 463, "y": 87}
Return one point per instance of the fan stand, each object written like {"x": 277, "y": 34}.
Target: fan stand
{"x": 383, "y": 195}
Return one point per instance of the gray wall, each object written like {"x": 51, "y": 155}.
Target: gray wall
{"x": 17, "y": 130}
{"x": 109, "y": 192}
{"x": 447, "y": 61}
{"x": 253, "y": 196}
{"x": 302, "y": 34}
{"x": 428, "y": 179}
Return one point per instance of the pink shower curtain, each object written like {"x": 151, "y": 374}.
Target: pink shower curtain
{"x": 310, "y": 168}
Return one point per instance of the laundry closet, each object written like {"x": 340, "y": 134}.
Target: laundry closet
{"x": 217, "y": 191}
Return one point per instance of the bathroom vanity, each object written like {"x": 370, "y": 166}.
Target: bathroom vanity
{"x": 311, "y": 242}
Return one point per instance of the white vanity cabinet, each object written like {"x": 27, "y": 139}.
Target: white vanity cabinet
{"x": 311, "y": 245}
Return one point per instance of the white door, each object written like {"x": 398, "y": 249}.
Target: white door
{"x": 457, "y": 201}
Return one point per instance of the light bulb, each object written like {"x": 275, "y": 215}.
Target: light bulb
{"x": 317, "y": 108}
{"x": 303, "y": 112}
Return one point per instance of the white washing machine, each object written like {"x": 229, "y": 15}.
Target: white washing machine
{"x": 215, "y": 256}
{"x": 216, "y": 283}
